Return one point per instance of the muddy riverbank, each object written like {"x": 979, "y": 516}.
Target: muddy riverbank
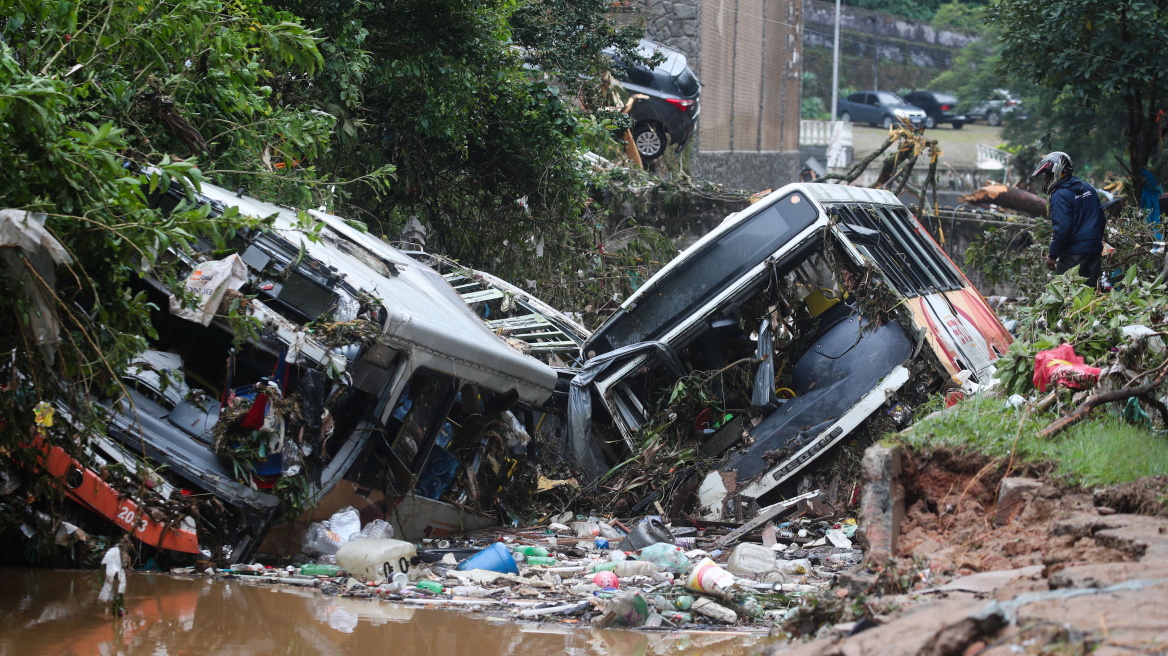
{"x": 57, "y": 612}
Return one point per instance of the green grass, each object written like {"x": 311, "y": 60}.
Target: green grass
{"x": 1101, "y": 450}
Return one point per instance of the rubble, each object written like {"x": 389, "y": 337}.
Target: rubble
{"x": 559, "y": 571}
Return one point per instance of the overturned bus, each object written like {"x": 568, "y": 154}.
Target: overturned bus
{"x": 308, "y": 354}
{"x": 836, "y": 297}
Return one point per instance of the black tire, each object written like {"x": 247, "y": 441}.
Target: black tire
{"x": 930, "y": 122}
{"x": 994, "y": 118}
{"x": 649, "y": 140}
{"x": 846, "y": 117}
{"x": 887, "y": 122}
{"x": 957, "y": 125}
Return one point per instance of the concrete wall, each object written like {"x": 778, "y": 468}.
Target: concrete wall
{"x": 748, "y": 55}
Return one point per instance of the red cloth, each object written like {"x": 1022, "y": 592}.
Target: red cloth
{"x": 1060, "y": 366}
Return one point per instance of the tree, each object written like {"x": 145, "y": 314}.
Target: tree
{"x": 1096, "y": 54}
{"x": 87, "y": 88}
{"x": 484, "y": 107}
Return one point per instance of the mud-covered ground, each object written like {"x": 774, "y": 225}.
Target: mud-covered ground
{"x": 1038, "y": 569}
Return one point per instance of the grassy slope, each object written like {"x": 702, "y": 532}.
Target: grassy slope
{"x": 1102, "y": 450}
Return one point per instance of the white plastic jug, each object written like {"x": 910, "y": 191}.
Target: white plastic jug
{"x": 753, "y": 560}
{"x": 376, "y": 559}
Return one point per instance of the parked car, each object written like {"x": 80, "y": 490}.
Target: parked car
{"x": 939, "y": 107}
{"x": 779, "y": 284}
{"x": 1000, "y": 105}
{"x": 670, "y": 114}
{"x": 878, "y": 108}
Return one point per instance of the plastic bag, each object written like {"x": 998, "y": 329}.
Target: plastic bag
{"x": 628, "y": 610}
{"x": 209, "y": 282}
{"x": 666, "y": 555}
{"x": 1060, "y": 366}
{"x": 346, "y": 523}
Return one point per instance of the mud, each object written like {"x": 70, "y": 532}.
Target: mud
{"x": 952, "y": 526}
{"x": 57, "y": 612}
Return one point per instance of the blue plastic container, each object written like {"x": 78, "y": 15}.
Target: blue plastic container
{"x": 495, "y": 558}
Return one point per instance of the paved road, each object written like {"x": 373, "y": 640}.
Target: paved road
{"x": 958, "y": 147}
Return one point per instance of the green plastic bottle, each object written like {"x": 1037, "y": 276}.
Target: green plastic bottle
{"x": 312, "y": 569}
{"x": 684, "y": 602}
{"x": 433, "y": 587}
{"x": 540, "y": 560}
{"x": 539, "y": 552}
{"x": 604, "y": 567}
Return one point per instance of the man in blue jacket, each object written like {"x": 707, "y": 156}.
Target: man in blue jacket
{"x": 1077, "y": 217}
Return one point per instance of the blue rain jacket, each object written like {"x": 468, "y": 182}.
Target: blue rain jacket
{"x": 1078, "y": 219}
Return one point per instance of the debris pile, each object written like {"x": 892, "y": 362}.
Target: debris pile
{"x": 605, "y": 572}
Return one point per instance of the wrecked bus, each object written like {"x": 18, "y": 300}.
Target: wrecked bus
{"x": 319, "y": 354}
{"x": 839, "y": 300}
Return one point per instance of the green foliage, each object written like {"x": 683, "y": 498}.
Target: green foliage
{"x": 812, "y": 107}
{"x": 1069, "y": 312}
{"x": 958, "y": 17}
{"x": 477, "y": 105}
{"x": 1101, "y": 450}
{"x": 87, "y": 86}
{"x": 1106, "y": 57}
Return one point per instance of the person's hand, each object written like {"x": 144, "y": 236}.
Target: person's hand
{"x": 1051, "y": 263}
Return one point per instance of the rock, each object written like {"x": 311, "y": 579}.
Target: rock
{"x": 1014, "y": 492}
{"x": 882, "y": 507}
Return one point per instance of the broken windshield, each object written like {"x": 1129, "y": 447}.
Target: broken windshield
{"x": 715, "y": 267}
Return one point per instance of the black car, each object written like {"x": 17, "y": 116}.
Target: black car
{"x": 671, "y": 111}
{"x": 939, "y": 107}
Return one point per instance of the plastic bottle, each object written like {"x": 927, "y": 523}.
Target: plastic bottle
{"x": 713, "y": 610}
{"x": 666, "y": 555}
{"x": 750, "y": 607}
{"x": 540, "y": 560}
{"x": 684, "y": 602}
{"x": 635, "y": 568}
{"x": 798, "y": 567}
{"x": 376, "y": 559}
{"x": 433, "y": 587}
{"x": 473, "y": 591}
{"x": 530, "y": 551}
{"x": 313, "y": 569}
{"x": 601, "y": 543}
{"x": 378, "y": 528}
{"x": 318, "y": 540}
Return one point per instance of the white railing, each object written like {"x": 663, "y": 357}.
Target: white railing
{"x": 992, "y": 159}
{"x": 836, "y": 135}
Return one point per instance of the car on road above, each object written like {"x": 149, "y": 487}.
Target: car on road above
{"x": 940, "y": 107}
{"x": 878, "y": 108}
{"x": 998, "y": 106}
{"x": 670, "y": 113}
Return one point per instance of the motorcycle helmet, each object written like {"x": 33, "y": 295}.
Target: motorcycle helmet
{"x": 1053, "y": 167}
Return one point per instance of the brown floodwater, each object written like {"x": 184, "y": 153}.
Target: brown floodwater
{"x": 57, "y": 612}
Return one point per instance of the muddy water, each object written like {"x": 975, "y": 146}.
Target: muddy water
{"x": 56, "y": 612}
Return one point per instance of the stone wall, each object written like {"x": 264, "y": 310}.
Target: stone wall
{"x": 752, "y": 171}
{"x": 677, "y": 24}
{"x": 818, "y": 14}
